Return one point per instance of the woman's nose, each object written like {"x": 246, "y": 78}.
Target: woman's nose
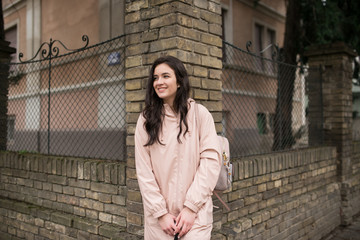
{"x": 160, "y": 80}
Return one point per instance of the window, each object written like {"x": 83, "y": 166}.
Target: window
{"x": 264, "y": 42}
{"x": 261, "y": 123}
{"x": 259, "y": 39}
{"x": 11, "y": 36}
{"x": 270, "y": 40}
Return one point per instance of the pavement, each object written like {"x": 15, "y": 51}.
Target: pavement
{"x": 351, "y": 232}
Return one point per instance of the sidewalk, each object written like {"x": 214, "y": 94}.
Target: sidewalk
{"x": 351, "y": 232}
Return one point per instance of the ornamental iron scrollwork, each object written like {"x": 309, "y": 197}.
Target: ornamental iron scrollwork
{"x": 49, "y": 51}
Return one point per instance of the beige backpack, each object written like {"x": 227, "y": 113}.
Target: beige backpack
{"x": 226, "y": 171}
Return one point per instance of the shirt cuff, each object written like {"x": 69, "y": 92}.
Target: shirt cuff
{"x": 192, "y": 206}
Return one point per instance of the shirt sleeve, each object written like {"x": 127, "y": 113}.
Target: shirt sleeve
{"x": 208, "y": 171}
{"x": 153, "y": 201}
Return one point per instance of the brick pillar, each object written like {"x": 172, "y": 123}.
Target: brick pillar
{"x": 189, "y": 30}
{"x": 5, "y": 52}
{"x": 335, "y": 88}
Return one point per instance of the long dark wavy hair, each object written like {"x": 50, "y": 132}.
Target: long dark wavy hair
{"x": 154, "y": 110}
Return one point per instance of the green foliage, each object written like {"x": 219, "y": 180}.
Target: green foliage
{"x": 337, "y": 20}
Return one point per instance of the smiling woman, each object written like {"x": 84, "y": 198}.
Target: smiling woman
{"x": 177, "y": 160}
{"x": 165, "y": 84}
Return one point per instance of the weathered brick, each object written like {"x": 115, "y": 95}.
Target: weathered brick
{"x": 48, "y": 234}
{"x": 104, "y": 188}
{"x": 162, "y": 44}
{"x": 185, "y": 44}
{"x": 137, "y": 27}
{"x": 200, "y": 71}
{"x": 214, "y": 7}
{"x": 211, "y": 84}
{"x": 136, "y": 49}
{"x": 79, "y": 211}
{"x": 135, "y": 95}
{"x": 188, "y": 33}
{"x": 201, "y": 25}
{"x": 211, "y": 17}
{"x": 132, "y": 17}
{"x": 68, "y": 199}
{"x": 79, "y": 183}
{"x": 150, "y": 35}
{"x": 91, "y": 214}
{"x": 137, "y": 72}
{"x": 110, "y": 231}
{"x": 29, "y": 228}
{"x": 201, "y": 48}
{"x": 161, "y": 21}
{"x": 134, "y": 218}
{"x": 168, "y": 31}
{"x": 185, "y": 20}
{"x": 211, "y": 62}
{"x": 200, "y": 94}
{"x": 61, "y": 218}
{"x": 201, "y": 3}
{"x": 121, "y": 221}
{"x": 133, "y": 61}
{"x": 231, "y": 216}
{"x": 80, "y": 170}
{"x": 134, "y": 6}
{"x": 55, "y": 227}
{"x": 134, "y": 196}
{"x": 216, "y": 52}
{"x": 87, "y": 225}
{"x": 215, "y": 29}
{"x": 115, "y": 209}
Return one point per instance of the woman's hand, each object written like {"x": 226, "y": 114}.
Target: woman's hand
{"x": 184, "y": 221}
{"x": 167, "y": 223}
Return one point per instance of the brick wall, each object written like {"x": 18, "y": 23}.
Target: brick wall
{"x": 351, "y": 188}
{"x": 67, "y": 198}
{"x": 289, "y": 195}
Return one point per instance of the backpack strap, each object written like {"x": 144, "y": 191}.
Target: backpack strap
{"x": 223, "y": 203}
{"x": 198, "y": 127}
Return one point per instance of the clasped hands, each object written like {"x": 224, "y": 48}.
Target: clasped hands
{"x": 181, "y": 224}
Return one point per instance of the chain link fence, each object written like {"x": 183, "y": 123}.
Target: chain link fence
{"x": 264, "y": 102}
{"x": 70, "y": 105}
{"x": 74, "y": 104}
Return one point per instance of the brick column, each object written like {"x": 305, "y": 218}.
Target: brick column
{"x": 5, "y": 52}
{"x": 335, "y": 88}
{"x": 189, "y": 30}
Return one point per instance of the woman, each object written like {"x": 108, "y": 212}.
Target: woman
{"x": 177, "y": 162}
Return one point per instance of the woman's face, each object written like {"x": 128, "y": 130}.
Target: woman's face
{"x": 165, "y": 83}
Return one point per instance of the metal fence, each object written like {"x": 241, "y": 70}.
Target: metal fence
{"x": 73, "y": 104}
{"x": 264, "y": 102}
{"x": 70, "y": 104}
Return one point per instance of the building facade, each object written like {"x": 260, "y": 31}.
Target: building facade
{"x": 249, "y": 94}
